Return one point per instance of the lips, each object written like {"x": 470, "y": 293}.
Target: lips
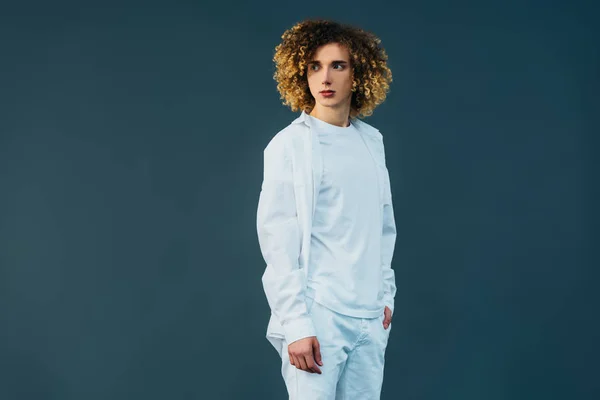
{"x": 327, "y": 91}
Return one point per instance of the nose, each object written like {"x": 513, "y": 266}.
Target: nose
{"x": 326, "y": 78}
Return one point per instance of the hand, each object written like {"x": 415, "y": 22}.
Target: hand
{"x": 387, "y": 320}
{"x": 305, "y": 354}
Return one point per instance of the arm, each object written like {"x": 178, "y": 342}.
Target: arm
{"x": 388, "y": 241}
{"x": 280, "y": 243}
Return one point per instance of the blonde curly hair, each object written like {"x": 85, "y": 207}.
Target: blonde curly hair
{"x": 371, "y": 75}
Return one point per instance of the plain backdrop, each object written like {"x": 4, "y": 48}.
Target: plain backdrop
{"x": 131, "y": 139}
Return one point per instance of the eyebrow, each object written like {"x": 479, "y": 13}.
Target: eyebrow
{"x": 333, "y": 62}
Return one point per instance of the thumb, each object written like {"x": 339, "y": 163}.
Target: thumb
{"x": 317, "y": 352}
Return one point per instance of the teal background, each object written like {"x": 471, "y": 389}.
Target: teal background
{"x": 131, "y": 138}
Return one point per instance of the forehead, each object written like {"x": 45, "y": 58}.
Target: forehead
{"x": 331, "y": 51}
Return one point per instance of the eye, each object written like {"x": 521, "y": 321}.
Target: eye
{"x": 313, "y": 67}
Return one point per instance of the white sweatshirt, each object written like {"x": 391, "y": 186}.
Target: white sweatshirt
{"x": 344, "y": 272}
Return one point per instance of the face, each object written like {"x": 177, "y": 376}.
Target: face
{"x": 330, "y": 69}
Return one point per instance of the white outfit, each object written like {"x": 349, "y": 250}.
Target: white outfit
{"x": 310, "y": 236}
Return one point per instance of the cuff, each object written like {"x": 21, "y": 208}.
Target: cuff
{"x": 299, "y": 328}
{"x": 388, "y": 301}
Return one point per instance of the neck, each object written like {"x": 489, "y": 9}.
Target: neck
{"x": 338, "y": 117}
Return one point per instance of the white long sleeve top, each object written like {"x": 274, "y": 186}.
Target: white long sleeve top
{"x": 293, "y": 172}
{"x": 344, "y": 272}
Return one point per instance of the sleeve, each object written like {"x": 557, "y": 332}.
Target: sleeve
{"x": 280, "y": 244}
{"x": 388, "y": 241}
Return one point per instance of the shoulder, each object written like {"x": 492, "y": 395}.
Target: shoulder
{"x": 367, "y": 129}
{"x": 375, "y": 136}
{"x": 284, "y": 139}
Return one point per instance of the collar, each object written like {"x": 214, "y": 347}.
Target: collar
{"x": 360, "y": 125}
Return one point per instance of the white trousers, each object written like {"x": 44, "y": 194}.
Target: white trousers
{"x": 352, "y": 352}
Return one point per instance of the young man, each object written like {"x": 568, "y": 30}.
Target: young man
{"x": 325, "y": 219}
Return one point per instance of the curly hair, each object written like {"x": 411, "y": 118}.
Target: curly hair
{"x": 371, "y": 75}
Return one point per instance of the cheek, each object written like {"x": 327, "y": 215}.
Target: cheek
{"x": 311, "y": 83}
{"x": 349, "y": 80}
